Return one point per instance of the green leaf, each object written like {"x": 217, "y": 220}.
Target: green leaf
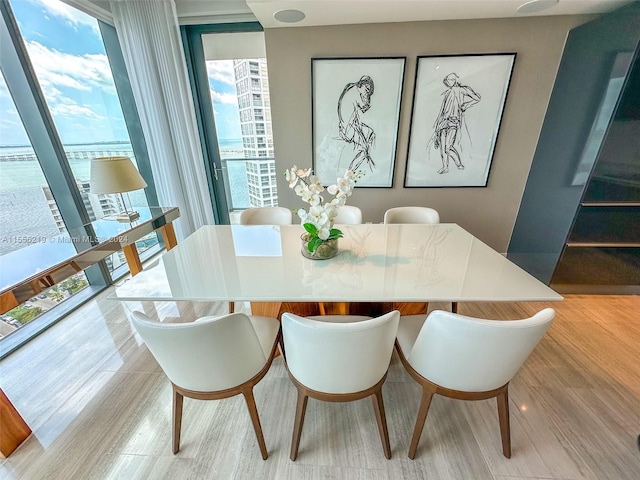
{"x": 314, "y": 244}
{"x": 311, "y": 228}
{"x": 335, "y": 233}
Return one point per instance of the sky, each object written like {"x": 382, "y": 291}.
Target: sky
{"x": 68, "y": 56}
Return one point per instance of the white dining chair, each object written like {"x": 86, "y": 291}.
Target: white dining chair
{"x": 467, "y": 358}
{"x": 423, "y": 215}
{"x": 340, "y": 360}
{"x": 348, "y": 215}
{"x": 212, "y": 358}
{"x": 266, "y": 216}
{"x": 412, "y": 215}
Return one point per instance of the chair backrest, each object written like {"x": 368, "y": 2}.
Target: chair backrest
{"x": 339, "y": 357}
{"x": 411, "y": 215}
{"x": 348, "y": 215}
{"x": 266, "y": 216}
{"x": 473, "y": 354}
{"x": 213, "y": 353}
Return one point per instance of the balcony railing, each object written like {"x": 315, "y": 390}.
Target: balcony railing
{"x": 237, "y": 182}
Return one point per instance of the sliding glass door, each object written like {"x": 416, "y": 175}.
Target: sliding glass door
{"x": 230, "y": 80}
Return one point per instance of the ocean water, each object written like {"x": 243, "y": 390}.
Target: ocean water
{"x": 24, "y": 211}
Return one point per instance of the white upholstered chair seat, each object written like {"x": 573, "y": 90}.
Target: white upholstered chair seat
{"x": 467, "y": 358}
{"x": 339, "y": 360}
{"x": 266, "y": 329}
{"x": 340, "y": 318}
{"x": 266, "y": 216}
{"x": 338, "y": 357}
{"x": 212, "y": 358}
{"x": 412, "y": 215}
{"x": 348, "y": 215}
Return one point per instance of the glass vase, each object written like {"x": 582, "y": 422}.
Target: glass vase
{"x": 327, "y": 249}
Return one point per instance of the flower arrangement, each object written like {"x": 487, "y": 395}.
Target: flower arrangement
{"x": 318, "y": 221}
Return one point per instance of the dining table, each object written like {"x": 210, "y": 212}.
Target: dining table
{"x": 393, "y": 263}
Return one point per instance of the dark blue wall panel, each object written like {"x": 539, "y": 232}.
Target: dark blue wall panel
{"x": 585, "y": 91}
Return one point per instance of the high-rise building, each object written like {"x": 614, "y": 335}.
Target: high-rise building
{"x": 252, "y": 87}
{"x": 97, "y": 206}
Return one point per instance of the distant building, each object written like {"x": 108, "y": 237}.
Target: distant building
{"x": 97, "y": 206}
{"x": 252, "y": 87}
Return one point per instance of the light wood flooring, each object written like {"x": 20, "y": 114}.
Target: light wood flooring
{"x": 100, "y": 408}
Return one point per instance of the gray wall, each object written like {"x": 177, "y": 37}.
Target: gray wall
{"x": 489, "y": 213}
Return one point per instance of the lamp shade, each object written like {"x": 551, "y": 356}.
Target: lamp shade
{"x": 115, "y": 175}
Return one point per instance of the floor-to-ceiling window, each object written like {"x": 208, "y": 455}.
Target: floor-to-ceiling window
{"x": 67, "y": 51}
{"x": 238, "y": 121}
{"x": 29, "y": 217}
{"x": 59, "y": 108}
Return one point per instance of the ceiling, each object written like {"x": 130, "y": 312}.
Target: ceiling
{"x": 330, "y": 12}
{"x": 336, "y": 12}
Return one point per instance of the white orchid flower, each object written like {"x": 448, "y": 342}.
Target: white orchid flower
{"x": 321, "y": 213}
{"x": 331, "y": 209}
{"x": 339, "y": 201}
{"x": 350, "y": 174}
{"x": 315, "y": 185}
{"x": 324, "y": 233}
{"x": 311, "y": 198}
{"x": 302, "y": 172}
{"x": 345, "y": 185}
{"x": 318, "y": 216}
{"x": 291, "y": 177}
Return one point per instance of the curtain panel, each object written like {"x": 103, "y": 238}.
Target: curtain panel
{"x": 152, "y": 48}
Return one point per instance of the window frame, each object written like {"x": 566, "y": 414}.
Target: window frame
{"x": 27, "y": 95}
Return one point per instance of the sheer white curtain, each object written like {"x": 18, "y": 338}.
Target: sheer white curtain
{"x": 150, "y": 38}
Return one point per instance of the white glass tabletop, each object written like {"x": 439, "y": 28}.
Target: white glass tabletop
{"x": 376, "y": 263}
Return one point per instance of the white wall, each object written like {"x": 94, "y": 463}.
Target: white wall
{"x": 488, "y": 213}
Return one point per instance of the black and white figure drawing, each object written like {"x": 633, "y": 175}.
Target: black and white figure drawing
{"x": 354, "y": 101}
{"x": 457, "y": 108}
{"x": 356, "y": 111}
{"x": 450, "y": 125}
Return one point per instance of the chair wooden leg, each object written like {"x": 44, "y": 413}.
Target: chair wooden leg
{"x": 454, "y": 307}
{"x": 301, "y": 409}
{"x": 281, "y": 346}
{"x": 503, "y": 416}
{"x": 253, "y": 412}
{"x": 177, "y": 420}
{"x": 232, "y": 307}
{"x": 378, "y": 407}
{"x": 425, "y": 403}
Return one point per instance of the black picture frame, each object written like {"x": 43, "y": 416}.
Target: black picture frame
{"x": 458, "y": 104}
{"x": 356, "y": 117}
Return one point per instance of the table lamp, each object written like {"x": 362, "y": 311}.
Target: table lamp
{"x": 116, "y": 175}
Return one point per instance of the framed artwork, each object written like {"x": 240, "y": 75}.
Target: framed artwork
{"x": 458, "y": 102}
{"x": 355, "y": 117}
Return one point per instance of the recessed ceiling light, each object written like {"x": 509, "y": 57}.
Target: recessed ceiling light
{"x": 289, "y": 16}
{"x": 536, "y": 6}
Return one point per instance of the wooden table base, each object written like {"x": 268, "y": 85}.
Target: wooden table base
{"x": 373, "y": 309}
{"x": 13, "y": 429}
